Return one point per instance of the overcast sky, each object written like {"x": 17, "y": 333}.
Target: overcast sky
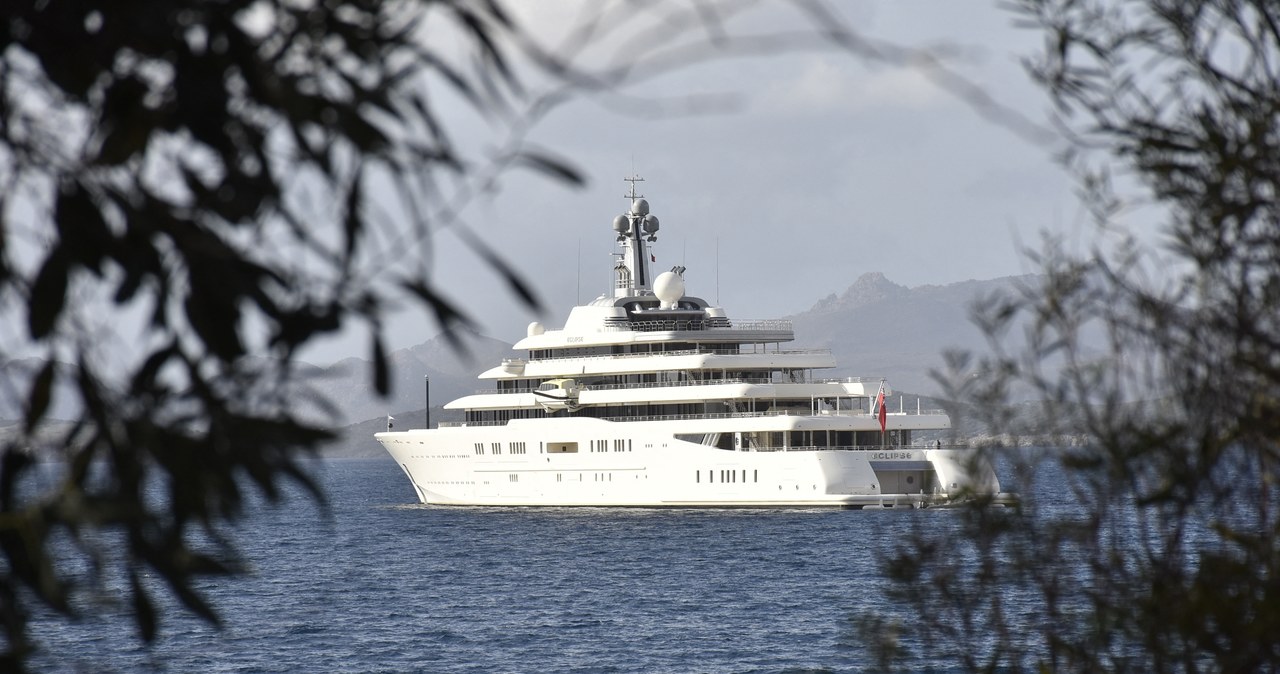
{"x": 832, "y": 167}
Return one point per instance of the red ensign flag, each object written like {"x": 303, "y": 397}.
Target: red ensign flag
{"x": 880, "y": 406}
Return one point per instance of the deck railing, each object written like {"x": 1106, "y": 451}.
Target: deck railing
{"x": 680, "y": 352}
{"x": 698, "y": 417}
{"x": 713, "y": 324}
{"x": 644, "y": 385}
{"x": 794, "y": 448}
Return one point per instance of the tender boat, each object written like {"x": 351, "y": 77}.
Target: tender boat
{"x": 651, "y": 397}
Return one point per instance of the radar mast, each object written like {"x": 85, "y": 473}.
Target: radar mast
{"x": 634, "y": 228}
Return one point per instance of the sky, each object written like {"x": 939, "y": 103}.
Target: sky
{"x": 825, "y": 167}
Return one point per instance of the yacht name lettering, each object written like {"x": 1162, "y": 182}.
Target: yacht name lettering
{"x": 893, "y": 455}
{"x": 572, "y": 339}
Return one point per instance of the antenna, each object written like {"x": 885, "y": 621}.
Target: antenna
{"x": 633, "y": 179}
{"x": 717, "y": 271}
{"x": 578, "y": 290}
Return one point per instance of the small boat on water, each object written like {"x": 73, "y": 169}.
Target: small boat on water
{"x": 651, "y": 397}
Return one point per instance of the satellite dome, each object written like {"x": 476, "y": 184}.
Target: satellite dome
{"x": 650, "y": 224}
{"x": 640, "y": 207}
{"x": 621, "y": 224}
{"x": 535, "y": 329}
{"x": 669, "y": 288}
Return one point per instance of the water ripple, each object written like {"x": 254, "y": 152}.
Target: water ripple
{"x": 382, "y": 585}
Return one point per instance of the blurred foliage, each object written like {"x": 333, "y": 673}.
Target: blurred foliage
{"x": 1155, "y": 545}
{"x": 220, "y": 169}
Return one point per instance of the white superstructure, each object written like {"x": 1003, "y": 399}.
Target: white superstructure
{"x": 650, "y": 397}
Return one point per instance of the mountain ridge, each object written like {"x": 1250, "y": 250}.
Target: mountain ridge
{"x": 874, "y": 328}
{"x": 878, "y": 328}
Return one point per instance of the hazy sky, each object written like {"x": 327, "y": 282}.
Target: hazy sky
{"x": 831, "y": 167}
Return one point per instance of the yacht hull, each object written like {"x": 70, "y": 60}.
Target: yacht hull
{"x": 587, "y": 462}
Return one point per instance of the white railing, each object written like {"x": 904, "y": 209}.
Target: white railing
{"x": 851, "y": 380}
{"x": 683, "y": 352}
{"x": 699, "y": 325}
{"x": 793, "y": 448}
{"x": 671, "y": 384}
{"x": 702, "y": 416}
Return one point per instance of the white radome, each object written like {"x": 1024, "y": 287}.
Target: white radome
{"x": 668, "y": 288}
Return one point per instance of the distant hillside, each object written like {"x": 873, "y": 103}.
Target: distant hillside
{"x": 874, "y": 328}
{"x": 348, "y": 384}
{"x": 356, "y": 440}
{"x": 877, "y": 328}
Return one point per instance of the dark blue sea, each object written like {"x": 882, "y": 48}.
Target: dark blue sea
{"x": 378, "y": 583}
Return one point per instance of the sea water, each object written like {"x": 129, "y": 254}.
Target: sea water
{"x": 375, "y": 582}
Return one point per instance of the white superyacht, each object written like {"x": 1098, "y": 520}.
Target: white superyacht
{"x": 650, "y": 397}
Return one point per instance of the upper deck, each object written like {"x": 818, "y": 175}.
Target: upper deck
{"x": 617, "y": 332}
{"x": 641, "y": 309}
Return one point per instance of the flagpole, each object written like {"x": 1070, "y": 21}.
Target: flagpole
{"x": 426, "y": 380}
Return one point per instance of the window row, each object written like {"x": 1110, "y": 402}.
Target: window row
{"x": 605, "y": 445}
{"x": 495, "y": 448}
{"x": 725, "y": 476}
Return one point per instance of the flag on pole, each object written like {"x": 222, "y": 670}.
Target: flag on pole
{"x": 880, "y": 407}
{"x": 389, "y": 420}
